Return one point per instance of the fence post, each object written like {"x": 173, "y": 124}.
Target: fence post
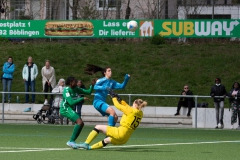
{"x": 195, "y": 111}
{"x": 2, "y": 107}
{"x": 129, "y": 99}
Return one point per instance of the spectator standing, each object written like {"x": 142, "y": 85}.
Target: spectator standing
{"x": 234, "y": 99}
{"x": 218, "y": 90}
{"x": 58, "y": 99}
{"x": 29, "y": 74}
{"x": 185, "y": 101}
{"x": 48, "y": 80}
{"x": 7, "y": 77}
{"x": 79, "y": 105}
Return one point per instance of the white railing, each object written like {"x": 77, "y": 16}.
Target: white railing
{"x": 129, "y": 98}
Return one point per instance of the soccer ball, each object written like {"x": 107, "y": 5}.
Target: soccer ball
{"x": 132, "y": 26}
{"x": 219, "y": 125}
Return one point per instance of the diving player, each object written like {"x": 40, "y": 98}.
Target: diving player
{"x": 130, "y": 120}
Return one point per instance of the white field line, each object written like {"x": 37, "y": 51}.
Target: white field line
{"x": 15, "y": 149}
{"x": 33, "y": 150}
{"x": 172, "y": 144}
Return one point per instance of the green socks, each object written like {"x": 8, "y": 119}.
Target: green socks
{"x": 76, "y": 131}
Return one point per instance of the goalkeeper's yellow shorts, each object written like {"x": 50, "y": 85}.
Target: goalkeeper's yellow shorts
{"x": 118, "y": 135}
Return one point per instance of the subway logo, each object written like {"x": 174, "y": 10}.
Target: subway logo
{"x": 202, "y": 28}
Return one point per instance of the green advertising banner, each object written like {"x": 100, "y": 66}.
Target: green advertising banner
{"x": 118, "y": 28}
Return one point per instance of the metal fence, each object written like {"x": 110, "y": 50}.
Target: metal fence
{"x": 196, "y": 97}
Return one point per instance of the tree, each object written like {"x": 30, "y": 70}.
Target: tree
{"x": 151, "y": 8}
{"x": 128, "y": 10}
{"x": 31, "y": 9}
{"x": 235, "y": 1}
{"x": 6, "y": 8}
{"x": 190, "y": 8}
{"x": 84, "y": 9}
{"x": 118, "y": 7}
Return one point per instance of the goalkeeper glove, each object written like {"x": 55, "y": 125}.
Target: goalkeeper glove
{"x": 113, "y": 94}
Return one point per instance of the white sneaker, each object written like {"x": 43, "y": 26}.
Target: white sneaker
{"x": 232, "y": 126}
{"x": 46, "y": 101}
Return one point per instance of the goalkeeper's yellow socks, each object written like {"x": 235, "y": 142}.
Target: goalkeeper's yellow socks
{"x": 92, "y": 135}
{"x": 98, "y": 145}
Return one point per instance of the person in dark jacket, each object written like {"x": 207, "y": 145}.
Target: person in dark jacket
{"x": 218, "y": 90}
{"x": 234, "y": 99}
{"x": 185, "y": 101}
{"x": 78, "y": 107}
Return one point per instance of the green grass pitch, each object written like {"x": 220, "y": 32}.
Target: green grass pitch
{"x": 43, "y": 142}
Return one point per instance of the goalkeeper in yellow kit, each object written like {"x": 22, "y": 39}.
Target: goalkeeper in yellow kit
{"x": 130, "y": 120}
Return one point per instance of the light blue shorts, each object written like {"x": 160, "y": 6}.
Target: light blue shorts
{"x": 101, "y": 107}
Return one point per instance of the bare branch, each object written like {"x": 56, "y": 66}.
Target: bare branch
{"x": 193, "y": 7}
{"x": 87, "y": 10}
{"x": 150, "y": 9}
{"x": 128, "y": 10}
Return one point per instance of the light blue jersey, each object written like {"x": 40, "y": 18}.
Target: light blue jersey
{"x": 101, "y": 92}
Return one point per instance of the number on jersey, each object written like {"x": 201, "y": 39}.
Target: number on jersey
{"x": 135, "y": 122}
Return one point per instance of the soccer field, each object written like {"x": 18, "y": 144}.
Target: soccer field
{"x": 40, "y": 142}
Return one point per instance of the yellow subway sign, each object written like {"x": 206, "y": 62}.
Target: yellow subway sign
{"x": 198, "y": 28}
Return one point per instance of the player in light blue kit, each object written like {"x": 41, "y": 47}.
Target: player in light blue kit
{"x": 101, "y": 91}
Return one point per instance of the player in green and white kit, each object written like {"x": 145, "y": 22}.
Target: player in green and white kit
{"x": 70, "y": 99}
